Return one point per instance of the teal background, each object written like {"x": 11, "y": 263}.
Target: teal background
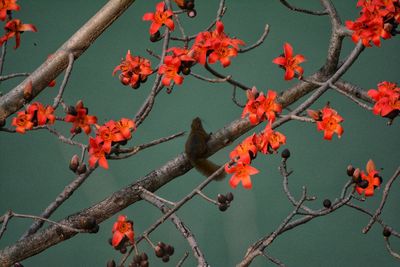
{"x": 34, "y": 166}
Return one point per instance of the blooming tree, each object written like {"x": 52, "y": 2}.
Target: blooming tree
{"x": 213, "y": 50}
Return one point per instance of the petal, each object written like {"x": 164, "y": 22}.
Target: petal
{"x": 148, "y": 16}
{"x": 116, "y": 239}
{"x": 328, "y": 135}
{"x": 288, "y": 50}
{"x": 279, "y": 61}
{"x": 92, "y": 161}
{"x": 103, "y": 162}
{"x": 27, "y": 27}
{"x": 160, "y": 7}
{"x": 178, "y": 79}
{"x": 154, "y": 27}
{"x": 246, "y": 182}
{"x": 289, "y": 74}
{"x": 234, "y": 181}
{"x": 170, "y": 24}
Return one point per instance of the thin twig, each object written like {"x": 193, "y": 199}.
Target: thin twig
{"x": 383, "y": 201}
{"x": 68, "y": 72}
{"x": 206, "y": 197}
{"x": 180, "y": 263}
{"x": 128, "y": 152}
{"x": 258, "y": 43}
{"x": 234, "y": 98}
{"x": 13, "y": 75}
{"x": 301, "y": 10}
{"x": 273, "y": 260}
{"x": 389, "y": 248}
{"x": 351, "y": 97}
{"x": 218, "y": 80}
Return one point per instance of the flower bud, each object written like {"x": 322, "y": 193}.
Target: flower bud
{"x": 285, "y": 153}
{"x": 350, "y": 170}
{"x": 221, "y": 198}
{"x": 229, "y": 196}
{"x": 327, "y": 203}
{"x": 81, "y": 169}
{"x": 74, "y": 163}
{"x": 386, "y": 232}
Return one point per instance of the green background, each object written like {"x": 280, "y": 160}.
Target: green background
{"x": 34, "y": 166}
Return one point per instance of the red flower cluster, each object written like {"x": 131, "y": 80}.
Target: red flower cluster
{"x": 261, "y": 107}
{"x": 122, "y": 228}
{"x": 387, "y": 99}
{"x": 328, "y": 120}
{"x": 266, "y": 142}
{"x": 369, "y": 181}
{"x": 289, "y": 62}
{"x": 378, "y": 18}
{"x": 219, "y": 46}
{"x": 134, "y": 70}
{"x": 161, "y": 17}
{"x": 106, "y": 135}
{"x": 35, "y": 115}
{"x": 170, "y": 70}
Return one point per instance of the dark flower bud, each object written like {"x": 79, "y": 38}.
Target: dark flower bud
{"x": 223, "y": 207}
{"x": 81, "y": 169}
{"x": 356, "y": 174}
{"x": 327, "y": 203}
{"x": 74, "y": 163}
{"x": 221, "y": 198}
{"x": 189, "y": 5}
{"x": 386, "y": 232}
{"x": 78, "y": 130}
{"x": 170, "y": 250}
{"x": 165, "y": 258}
{"x": 229, "y": 196}
{"x": 71, "y": 110}
{"x": 155, "y": 37}
{"x": 159, "y": 251}
{"x": 350, "y": 170}
{"x": 285, "y": 153}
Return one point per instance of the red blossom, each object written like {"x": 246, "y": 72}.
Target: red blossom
{"x": 7, "y": 5}
{"x": 170, "y": 70}
{"x": 245, "y": 151}
{"x": 159, "y": 18}
{"x": 98, "y": 152}
{"x": 134, "y": 69}
{"x": 122, "y": 228}
{"x": 107, "y": 134}
{"x": 387, "y": 99}
{"x": 80, "y": 119}
{"x": 43, "y": 115}
{"x": 328, "y": 120}
{"x": 372, "y": 178}
{"x": 22, "y": 122}
{"x": 290, "y": 63}
{"x": 261, "y": 107}
{"x": 241, "y": 173}
{"x": 15, "y": 28}
{"x": 125, "y": 127}
{"x": 217, "y": 44}
{"x": 269, "y": 140}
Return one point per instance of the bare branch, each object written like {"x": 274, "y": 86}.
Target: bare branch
{"x": 301, "y": 10}
{"x": 259, "y": 42}
{"x": 68, "y": 71}
{"x": 13, "y": 75}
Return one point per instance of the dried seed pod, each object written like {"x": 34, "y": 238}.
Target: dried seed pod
{"x": 327, "y": 203}
{"x": 285, "y": 153}
{"x": 229, "y": 196}
{"x": 74, "y": 163}
{"x": 221, "y": 198}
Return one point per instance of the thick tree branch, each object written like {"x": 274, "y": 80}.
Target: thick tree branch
{"x": 77, "y": 44}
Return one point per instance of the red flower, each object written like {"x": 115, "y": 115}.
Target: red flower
{"x": 289, "y": 62}
{"x": 80, "y": 119}
{"x": 134, "y": 69}
{"x": 241, "y": 173}
{"x": 219, "y": 46}
{"x": 107, "y": 134}
{"x": 15, "y": 28}
{"x": 245, "y": 151}
{"x": 387, "y": 99}
{"x": 270, "y": 139}
{"x": 98, "y": 152}
{"x": 41, "y": 114}
{"x": 159, "y": 18}
{"x": 260, "y": 107}
{"x": 170, "y": 70}
{"x": 371, "y": 177}
{"x": 122, "y": 228}
{"x": 367, "y": 31}
{"x": 125, "y": 126}
{"x": 22, "y": 122}
{"x": 7, "y": 5}
{"x": 328, "y": 121}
